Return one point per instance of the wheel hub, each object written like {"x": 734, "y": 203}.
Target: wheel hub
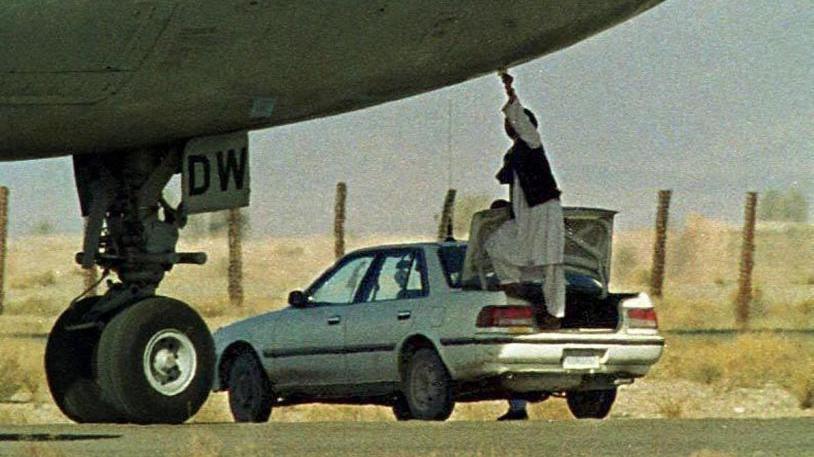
{"x": 426, "y": 387}
{"x": 245, "y": 389}
{"x": 170, "y": 361}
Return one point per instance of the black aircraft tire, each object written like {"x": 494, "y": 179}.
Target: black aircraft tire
{"x": 428, "y": 387}
{"x": 591, "y": 404}
{"x": 250, "y": 397}
{"x": 69, "y": 369}
{"x": 155, "y": 361}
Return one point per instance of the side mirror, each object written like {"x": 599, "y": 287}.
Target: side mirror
{"x": 297, "y": 299}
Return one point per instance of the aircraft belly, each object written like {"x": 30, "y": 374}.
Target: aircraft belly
{"x": 74, "y": 51}
{"x": 215, "y": 59}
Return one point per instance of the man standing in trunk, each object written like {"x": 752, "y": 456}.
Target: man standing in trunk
{"x": 529, "y": 248}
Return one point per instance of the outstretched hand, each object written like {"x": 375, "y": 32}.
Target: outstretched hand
{"x": 507, "y": 85}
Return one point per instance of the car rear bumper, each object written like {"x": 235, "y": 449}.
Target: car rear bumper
{"x": 553, "y": 362}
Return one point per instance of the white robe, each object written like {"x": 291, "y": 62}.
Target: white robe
{"x": 530, "y": 246}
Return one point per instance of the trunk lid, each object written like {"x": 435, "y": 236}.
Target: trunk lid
{"x": 588, "y": 238}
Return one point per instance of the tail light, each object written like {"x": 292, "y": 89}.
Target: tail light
{"x": 506, "y": 316}
{"x": 642, "y": 318}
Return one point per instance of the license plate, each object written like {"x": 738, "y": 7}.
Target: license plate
{"x": 580, "y": 362}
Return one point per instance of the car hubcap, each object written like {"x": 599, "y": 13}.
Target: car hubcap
{"x": 169, "y": 362}
{"x": 427, "y": 386}
{"x": 246, "y": 389}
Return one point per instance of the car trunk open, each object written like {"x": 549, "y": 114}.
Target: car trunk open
{"x": 587, "y": 255}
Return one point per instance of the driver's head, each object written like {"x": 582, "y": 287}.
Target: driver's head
{"x": 401, "y": 277}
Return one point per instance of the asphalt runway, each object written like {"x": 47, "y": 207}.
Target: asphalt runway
{"x": 618, "y": 437}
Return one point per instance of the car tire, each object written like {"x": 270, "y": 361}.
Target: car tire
{"x": 428, "y": 387}
{"x": 250, "y": 397}
{"x": 69, "y": 356}
{"x": 401, "y": 409}
{"x": 591, "y": 404}
{"x": 156, "y": 361}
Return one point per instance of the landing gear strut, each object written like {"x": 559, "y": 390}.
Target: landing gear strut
{"x": 130, "y": 355}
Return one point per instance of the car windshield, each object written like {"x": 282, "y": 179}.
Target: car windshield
{"x": 342, "y": 286}
{"x": 452, "y": 261}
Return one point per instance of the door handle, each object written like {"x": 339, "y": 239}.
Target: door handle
{"x": 404, "y": 315}
{"x": 333, "y": 320}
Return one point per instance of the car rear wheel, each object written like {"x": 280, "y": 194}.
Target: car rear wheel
{"x": 401, "y": 409}
{"x": 428, "y": 387}
{"x": 250, "y": 397}
{"x": 591, "y": 404}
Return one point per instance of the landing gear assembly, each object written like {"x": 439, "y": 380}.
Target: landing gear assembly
{"x": 131, "y": 355}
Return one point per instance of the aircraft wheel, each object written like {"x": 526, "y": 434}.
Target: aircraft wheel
{"x": 250, "y": 396}
{"x": 69, "y": 359}
{"x": 156, "y": 361}
{"x": 428, "y": 388}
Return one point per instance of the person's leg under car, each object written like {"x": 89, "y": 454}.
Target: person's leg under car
{"x": 517, "y": 411}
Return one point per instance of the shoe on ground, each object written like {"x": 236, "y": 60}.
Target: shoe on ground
{"x": 511, "y": 415}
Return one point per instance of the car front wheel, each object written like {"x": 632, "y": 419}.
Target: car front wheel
{"x": 428, "y": 387}
{"x": 591, "y": 404}
{"x": 250, "y": 395}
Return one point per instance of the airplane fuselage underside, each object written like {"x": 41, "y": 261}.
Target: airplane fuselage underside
{"x": 108, "y": 75}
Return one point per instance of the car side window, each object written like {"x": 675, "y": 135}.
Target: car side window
{"x": 400, "y": 277}
{"x": 341, "y": 287}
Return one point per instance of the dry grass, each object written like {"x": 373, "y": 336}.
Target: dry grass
{"x": 44, "y": 279}
{"x": 745, "y": 361}
{"x": 21, "y": 373}
{"x": 702, "y": 273}
{"x": 8, "y": 416}
{"x": 671, "y": 408}
{"x": 801, "y": 385}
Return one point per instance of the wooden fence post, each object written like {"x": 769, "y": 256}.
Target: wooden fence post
{"x": 744, "y": 297}
{"x": 339, "y": 219}
{"x": 3, "y": 244}
{"x": 445, "y": 224}
{"x": 235, "y": 223}
{"x": 659, "y": 245}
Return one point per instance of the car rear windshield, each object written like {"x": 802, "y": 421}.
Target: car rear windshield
{"x": 452, "y": 260}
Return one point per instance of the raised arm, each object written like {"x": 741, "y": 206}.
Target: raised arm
{"x": 513, "y": 110}
{"x": 521, "y": 123}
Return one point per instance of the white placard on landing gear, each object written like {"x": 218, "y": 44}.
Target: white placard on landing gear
{"x": 215, "y": 173}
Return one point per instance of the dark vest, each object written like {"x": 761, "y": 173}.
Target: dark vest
{"x": 533, "y": 172}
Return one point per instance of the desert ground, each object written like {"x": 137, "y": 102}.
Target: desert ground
{"x": 709, "y": 370}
